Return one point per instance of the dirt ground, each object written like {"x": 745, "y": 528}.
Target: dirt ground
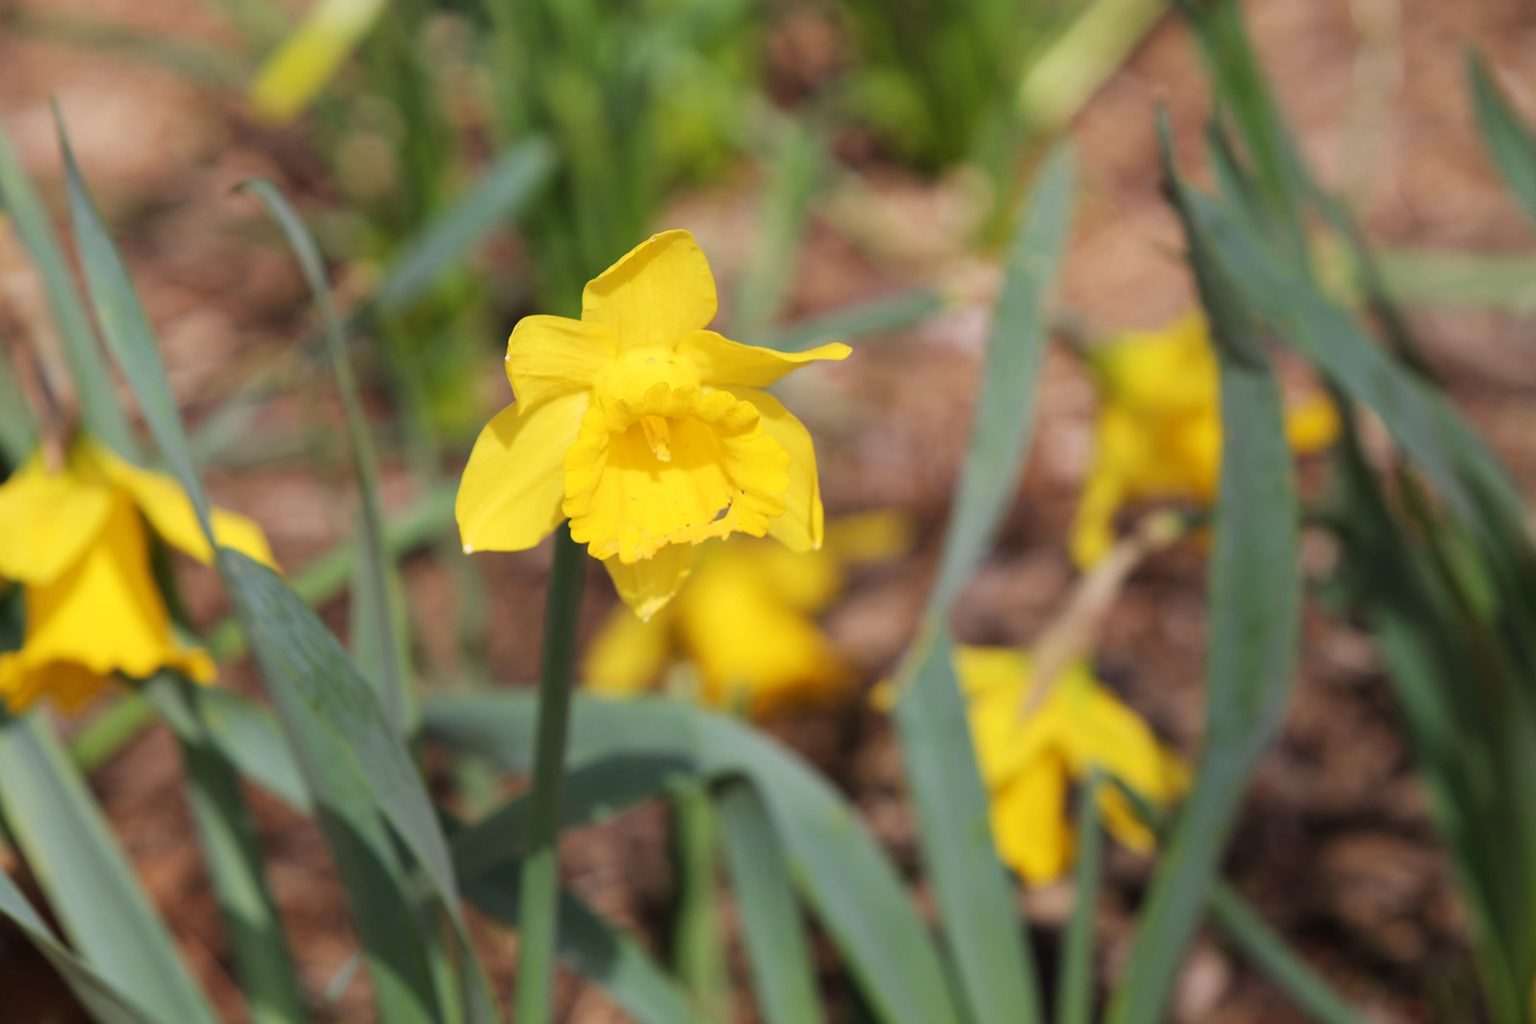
{"x": 1334, "y": 846}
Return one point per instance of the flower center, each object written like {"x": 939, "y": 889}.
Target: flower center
{"x": 670, "y": 465}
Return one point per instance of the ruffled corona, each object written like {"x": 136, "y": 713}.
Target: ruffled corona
{"x": 650, "y": 433}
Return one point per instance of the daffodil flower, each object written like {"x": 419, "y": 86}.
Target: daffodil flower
{"x": 76, "y": 539}
{"x": 1030, "y": 749}
{"x": 648, "y": 432}
{"x": 1158, "y": 435}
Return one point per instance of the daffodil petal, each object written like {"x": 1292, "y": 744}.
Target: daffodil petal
{"x": 658, "y": 292}
{"x": 647, "y": 585}
{"x": 510, "y": 494}
{"x": 803, "y": 523}
{"x": 1093, "y": 526}
{"x": 1312, "y": 424}
{"x": 628, "y": 655}
{"x": 308, "y": 59}
{"x": 550, "y": 356}
{"x": 726, "y": 363}
{"x": 46, "y": 521}
{"x": 170, "y": 512}
{"x": 1029, "y": 822}
{"x": 103, "y": 616}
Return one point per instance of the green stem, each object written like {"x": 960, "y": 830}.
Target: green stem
{"x": 698, "y": 947}
{"x": 541, "y": 876}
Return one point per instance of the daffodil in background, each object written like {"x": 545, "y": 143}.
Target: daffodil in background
{"x": 744, "y": 625}
{"x": 1031, "y": 747}
{"x": 308, "y": 59}
{"x": 76, "y": 538}
{"x": 648, "y": 432}
{"x": 1158, "y": 435}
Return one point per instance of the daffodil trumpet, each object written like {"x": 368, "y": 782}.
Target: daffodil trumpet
{"x": 75, "y": 535}
{"x": 647, "y": 431}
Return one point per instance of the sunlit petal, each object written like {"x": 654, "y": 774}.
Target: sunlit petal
{"x": 647, "y": 585}
{"x": 802, "y": 526}
{"x": 510, "y": 494}
{"x": 550, "y": 356}
{"x": 47, "y": 520}
{"x": 659, "y": 291}
{"x": 726, "y": 363}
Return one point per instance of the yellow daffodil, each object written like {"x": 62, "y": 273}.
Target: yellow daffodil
{"x": 745, "y": 623}
{"x": 1030, "y": 747}
{"x": 75, "y": 538}
{"x": 1159, "y": 427}
{"x": 648, "y": 432}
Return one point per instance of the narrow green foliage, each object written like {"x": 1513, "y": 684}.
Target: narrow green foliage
{"x": 1255, "y": 605}
{"x": 1509, "y": 140}
{"x": 377, "y": 605}
{"x": 1074, "y": 984}
{"x": 846, "y": 878}
{"x": 880, "y": 316}
{"x": 793, "y": 176}
{"x": 698, "y": 937}
{"x": 99, "y": 407}
{"x": 772, "y": 929}
{"x": 232, "y": 857}
{"x": 18, "y": 432}
{"x": 90, "y": 885}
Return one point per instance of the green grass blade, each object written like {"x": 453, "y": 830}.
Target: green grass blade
{"x": 377, "y": 603}
{"x": 793, "y": 177}
{"x": 233, "y": 859}
{"x": 18, "y": 434}
{"x": 90, "y": 884}
{"x": 698, "y": 939}
{"x": 1509, "y": 140}
{"x": 596, "y": 950}
{"x": 99, "y": 408}
{"x": 1005, "y": 410}
{"x": 1074, "y": 987}
{"x": 847, "y": 880}
{"x": 1292, "y": 975}
{"x": 251, "y": 738}
{"x": 977, "y": 903}
{"x": 358, "y": 769}
{"x": 783, "y": 976}
{"x": 880, "y": 316}
{"x": 507, "y": 186}
{"x": 100, "y": 998}
{"x": 1255, "y": 606}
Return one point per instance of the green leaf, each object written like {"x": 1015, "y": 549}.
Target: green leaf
{"x": 596, "y": 950}
{"x": 783, "y": 976}
{"x": 100, "y": 998}
{"x": 792, "y": 179}
{"x": 18, "y": 434}
{"x": 977, "y": 901}
{"x": 881, "y": 316}
{"x": 358, "y": 769}
{"x": 252, "y": 739}
{"x": 698, "y": 942}
{"x": 1293, "y": 975}
{"x": 513, "y": 179}
{"x": 376, "y": 599}
{"x": 1508, "y": 139}
{"x": 1255, "y": 606}
{"x": 232, "y": 857}
{"x": 90, "y": 884}
{"x": 99, "y": 408}
{"x": 847, "y": 880}
{"x": 1074, "y": 987}
{"x": 1004, "y": 414}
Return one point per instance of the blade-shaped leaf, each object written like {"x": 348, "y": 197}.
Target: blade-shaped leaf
{"x": 104, "y": 1002}
{"x": 1509, "y": 140}
{"x": 847, "y": 880}
{"x": 1255, "y": 607}
{"x": 1074, "y": 987}
{"x": 376, "y": 598}
{"x": 99, "y": 408}
{"x": 17, "y": 431}
{"x": 879, "y": 316}
{"x": 90, "y": 885}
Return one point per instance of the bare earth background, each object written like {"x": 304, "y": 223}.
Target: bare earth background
{"x": 1334, "y": 846}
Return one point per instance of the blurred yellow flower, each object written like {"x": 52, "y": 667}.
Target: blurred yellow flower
{"x": 76, "y": 540}
{"x": 1030, "y": 749}
{"x": 648, "y": 432}
{"x": 1159, "y": 427}
{"x": 309, "y": 58}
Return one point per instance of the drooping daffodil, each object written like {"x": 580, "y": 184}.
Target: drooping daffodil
{"x": 1031, "y": 747}
{"x": 650, "y": 433}
{"x": 1158, "y": 433}
{"x": 76, "y": 538}
{"x": 744, "y": 628}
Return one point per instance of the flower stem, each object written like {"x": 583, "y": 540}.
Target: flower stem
{"x": 541, "y": 876}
